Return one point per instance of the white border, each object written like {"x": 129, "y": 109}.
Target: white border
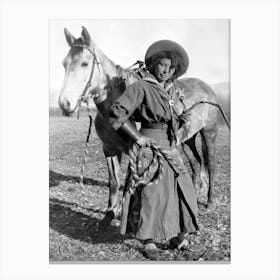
{"x": 24, "y": 138}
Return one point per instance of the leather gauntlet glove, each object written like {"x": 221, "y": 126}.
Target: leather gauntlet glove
{"x": 130, "y": 130}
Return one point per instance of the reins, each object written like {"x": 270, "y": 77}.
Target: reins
{"x": 83, "y": 98}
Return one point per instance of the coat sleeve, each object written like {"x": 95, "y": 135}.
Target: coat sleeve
{"x": 122, "y": 109}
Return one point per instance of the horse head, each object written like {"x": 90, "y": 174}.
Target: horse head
{"x": 81, "y": 77}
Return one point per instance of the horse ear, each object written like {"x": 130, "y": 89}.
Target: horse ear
{"x": 69, "y": 37}
{"x": 86, "y": 37}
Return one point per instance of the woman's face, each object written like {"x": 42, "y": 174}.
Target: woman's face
{"x": 163, "y": 71}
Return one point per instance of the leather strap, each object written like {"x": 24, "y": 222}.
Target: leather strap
{"x": 162, "y": 126}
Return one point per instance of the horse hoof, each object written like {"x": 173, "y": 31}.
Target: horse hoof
{"x": 106, "y": 221}
{"x": 211, "y": 206}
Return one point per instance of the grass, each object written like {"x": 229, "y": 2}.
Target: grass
{"x": 74, "y": 213}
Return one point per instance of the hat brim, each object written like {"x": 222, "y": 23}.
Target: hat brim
{"x": 167, "y": 45}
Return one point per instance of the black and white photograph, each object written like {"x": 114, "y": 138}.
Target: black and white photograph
{"x": 140, "y": 140}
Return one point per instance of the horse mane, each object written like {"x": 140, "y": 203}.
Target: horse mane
{"x": 128, "y": 76}
{"x": 118, "y": 78}
{"x": 117, "y": 84}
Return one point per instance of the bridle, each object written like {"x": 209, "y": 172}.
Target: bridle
{"x": 83, "y": 97}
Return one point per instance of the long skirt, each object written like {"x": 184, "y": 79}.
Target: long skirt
{"x": 162, "y": 210}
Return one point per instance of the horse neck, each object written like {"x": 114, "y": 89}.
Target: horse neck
{"x": 108, "y": 86}
{"x": 109, "y": 68}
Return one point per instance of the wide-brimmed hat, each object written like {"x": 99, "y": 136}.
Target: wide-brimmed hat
{"x": 171, "y": 46}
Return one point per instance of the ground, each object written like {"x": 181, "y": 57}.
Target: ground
{"x": 74, "y": 213}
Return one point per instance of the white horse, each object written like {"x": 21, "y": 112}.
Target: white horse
{"x": 88, "y": 72}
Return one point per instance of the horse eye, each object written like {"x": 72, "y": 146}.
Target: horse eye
{"x": 84, "y": 64}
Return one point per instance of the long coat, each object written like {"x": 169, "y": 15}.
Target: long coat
{"x": 163, "y": 210}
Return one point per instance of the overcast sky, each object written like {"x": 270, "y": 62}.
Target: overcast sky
{"x": 207, "y": 43}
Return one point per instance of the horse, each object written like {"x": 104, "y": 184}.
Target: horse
{"x": 90, "y": 73}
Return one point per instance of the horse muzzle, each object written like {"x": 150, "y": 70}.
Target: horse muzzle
{"x": 67, "y": 107}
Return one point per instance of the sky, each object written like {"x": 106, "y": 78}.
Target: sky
{"x": 207, "y": 42}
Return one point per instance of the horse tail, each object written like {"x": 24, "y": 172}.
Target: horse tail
{"x": 224, "y": 116}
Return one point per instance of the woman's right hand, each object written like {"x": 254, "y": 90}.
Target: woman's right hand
{"x": 145, "y": 141}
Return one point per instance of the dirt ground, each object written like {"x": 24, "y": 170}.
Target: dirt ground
{"x": 74, "y": 213}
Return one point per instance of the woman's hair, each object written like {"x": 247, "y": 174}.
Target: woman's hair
{"x": 155, "y": 59}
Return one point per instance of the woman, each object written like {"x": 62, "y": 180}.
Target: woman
{"x": 167, "y": 210}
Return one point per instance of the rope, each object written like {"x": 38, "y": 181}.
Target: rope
{"x": 211, "y": 103}
{"x": 84, "y": 162}
{"x": 141, "y": 180}
{"x": 159, "y": 155}
{"x": 85, "y": 157}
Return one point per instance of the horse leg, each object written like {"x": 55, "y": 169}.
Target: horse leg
{"x": 200, "y": 177}
{"x": 208, "y": 141}
{"x": 114, "y": 182}
{"x": 191, "y": 144}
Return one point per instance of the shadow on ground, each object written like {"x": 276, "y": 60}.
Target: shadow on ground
{"x": 79, "y": 226}
{"x": 55, "y": 179}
